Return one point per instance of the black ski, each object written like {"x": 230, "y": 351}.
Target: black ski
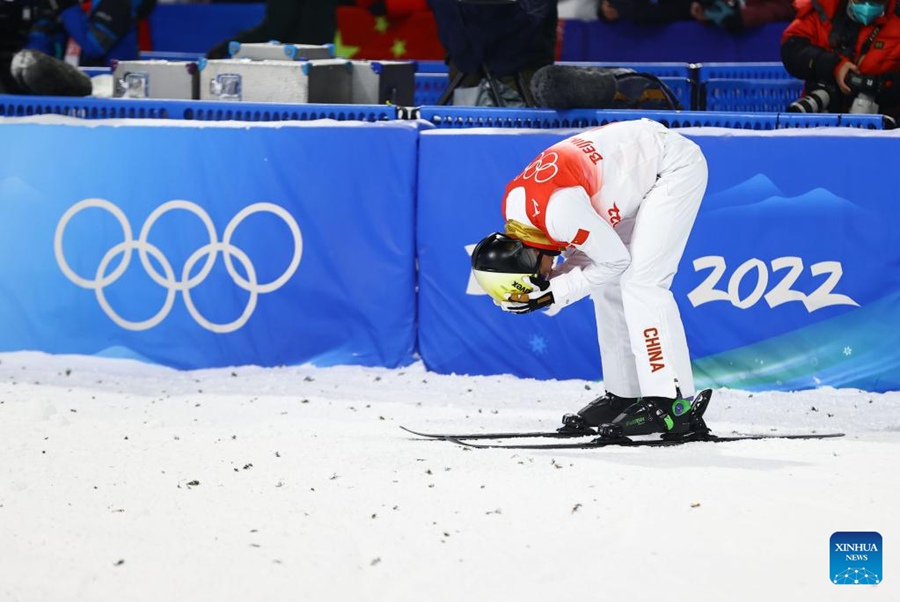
{"x": 511, "y": 435}
{"x": 593, "y": 444}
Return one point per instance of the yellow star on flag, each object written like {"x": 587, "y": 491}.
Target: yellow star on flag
{"x": 344, "y": 51}
{"x": 381, "y": 24}
{"x": 399, "y": 48}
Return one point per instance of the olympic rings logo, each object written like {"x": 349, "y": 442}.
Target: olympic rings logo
{"x": 537, "y": 169}
{"x": 208, "y": 253}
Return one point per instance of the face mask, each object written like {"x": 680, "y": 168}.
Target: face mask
{"x": 865, "y": 12}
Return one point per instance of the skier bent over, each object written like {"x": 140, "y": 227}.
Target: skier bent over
{"x": 618, "y": 202}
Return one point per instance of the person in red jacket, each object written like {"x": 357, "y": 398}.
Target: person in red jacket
{"x": 848, "y": 53}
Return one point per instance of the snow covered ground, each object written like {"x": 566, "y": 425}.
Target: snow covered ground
{"x": 122, "y": 481}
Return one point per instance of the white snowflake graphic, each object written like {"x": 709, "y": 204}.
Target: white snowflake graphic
{"x": 538, "y": 344}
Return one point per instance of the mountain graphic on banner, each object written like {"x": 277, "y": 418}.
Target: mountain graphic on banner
{"x": 759, "y": 194}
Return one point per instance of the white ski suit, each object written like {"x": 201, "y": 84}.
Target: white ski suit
{"x": 620, "y": 200}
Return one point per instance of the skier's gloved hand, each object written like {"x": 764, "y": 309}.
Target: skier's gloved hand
{"x": 539, "y": 298}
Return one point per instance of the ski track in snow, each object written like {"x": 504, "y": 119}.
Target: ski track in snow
{"x": 127, "y": 481}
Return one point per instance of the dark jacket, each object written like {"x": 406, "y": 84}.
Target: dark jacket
{"x": 507, "y": 37}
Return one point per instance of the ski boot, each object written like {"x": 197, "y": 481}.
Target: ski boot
{"x": 676, "y": 419}
{"x": 602, "y": 410}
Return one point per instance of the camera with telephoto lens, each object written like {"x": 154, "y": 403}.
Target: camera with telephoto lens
{"x": 816, "y": 101}
{"x": 866, "y": 88}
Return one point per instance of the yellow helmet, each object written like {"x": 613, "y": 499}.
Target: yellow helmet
{"x": 501, "y": 265}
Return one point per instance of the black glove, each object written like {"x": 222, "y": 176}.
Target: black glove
{"x": 539, "y": 298}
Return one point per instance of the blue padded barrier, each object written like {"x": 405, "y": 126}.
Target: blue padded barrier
{"x": 808, "y": 120}
{"x": 466, "y": 117}
{"x": 431, "y": 67}
{"x": 866, "y": 122}
{"x": 277, "y": 199}
{"x": 132, "y": 108}
{"x": 429, "y": 87}
{"x": 441, "y": 117}
{"x": 814, "y": 120}
{"x": 753, "y": 95}
{"x": 491, "y": 117}
{"x": 240, "y": 111}
{"x": 740, "y": 121}
{"x": 770, "y": 210}
{"x": 758, "y": 70}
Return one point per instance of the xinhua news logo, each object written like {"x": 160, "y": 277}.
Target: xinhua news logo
{"x": 856, "y": 558}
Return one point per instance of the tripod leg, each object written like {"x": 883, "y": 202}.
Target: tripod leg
{"x": 451, "y": 87}
{"x": 524, "y": 91}
{"x": 492, "y": 84}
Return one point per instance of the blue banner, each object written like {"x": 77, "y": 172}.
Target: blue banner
{"x": 199, "y": 246}
{"x": 209, "y": 246}
{"x": 788, "y": 281}
{"x": 791, "y": 276}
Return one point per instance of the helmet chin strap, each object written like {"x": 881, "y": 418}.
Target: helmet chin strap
{"x": 545, "y": 253}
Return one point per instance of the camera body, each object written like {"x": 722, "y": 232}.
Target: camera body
{"x": 866, "y": 88}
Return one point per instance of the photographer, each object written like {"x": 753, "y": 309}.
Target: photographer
{"x": 848, "y": 53}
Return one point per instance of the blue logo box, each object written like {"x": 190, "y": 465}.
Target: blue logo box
{"x": 856, "y": 558}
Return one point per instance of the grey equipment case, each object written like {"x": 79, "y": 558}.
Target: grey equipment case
{"x": 276, "y": 51}
{"x": 316, "y": 81}
{"x": 178, "y": 80}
